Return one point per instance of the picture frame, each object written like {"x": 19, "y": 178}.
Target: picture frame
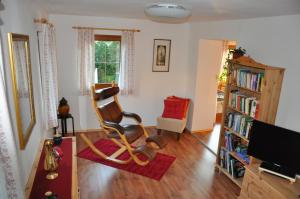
{"x": 161, "y": 55}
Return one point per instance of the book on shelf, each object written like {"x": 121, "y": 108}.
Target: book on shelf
{"x": 239, "y": 123}
{"x": 235, "y": 168}
{"x": 241, "y": 152}
{"x": 243, "y": 103}
{"x": 248, "y": 79}
{"x": 231, "y": 142}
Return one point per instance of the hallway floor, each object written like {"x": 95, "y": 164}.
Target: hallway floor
{"x": 210, "y": 139}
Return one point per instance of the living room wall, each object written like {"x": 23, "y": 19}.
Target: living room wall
{"x": 151, "y": 87}
{"x": 18, "y": 17}
{"x": 273, "y": 41}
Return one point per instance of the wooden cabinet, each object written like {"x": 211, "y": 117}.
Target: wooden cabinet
{"x": 266, "y": 186}
{"x": 252, "y": 92}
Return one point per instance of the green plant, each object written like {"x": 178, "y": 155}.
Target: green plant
{"x": 233, "y": 53}
{"x": 238, "y": 51}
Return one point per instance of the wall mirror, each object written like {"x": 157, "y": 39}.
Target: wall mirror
{"x": 19, "y": 52}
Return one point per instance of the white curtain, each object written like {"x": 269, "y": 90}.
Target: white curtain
{"x": 126, "y": 77}
{"x": 9, "y": 181}
{"x": 47, "y": 48}
{"x": 86, "y": 59}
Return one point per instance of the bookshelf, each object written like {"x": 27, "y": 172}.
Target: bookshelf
{"x": 252, "y": 92}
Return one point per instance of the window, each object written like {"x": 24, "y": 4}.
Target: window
{"x": 107, "y": 58}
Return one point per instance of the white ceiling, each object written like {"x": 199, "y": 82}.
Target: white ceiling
{"x": 202, "y": 10}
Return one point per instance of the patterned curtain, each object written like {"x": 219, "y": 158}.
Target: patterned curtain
{"x": 126, "y": 77}
{"x": 47, "y": 48}
{"x": 8, "y": 160}
{"x": 85, "y": 59}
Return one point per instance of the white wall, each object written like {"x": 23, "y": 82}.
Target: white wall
{"x": 151, "y": 87}
{"x": 273, "y": 41}
{"x": 208, "y": 67}
{"x": 18, "y": 18}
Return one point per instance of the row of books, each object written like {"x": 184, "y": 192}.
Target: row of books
{"x": 248, "y": 79}
{"x": 241, "y": 152}
{"x": 239, "y": 123}
{"x": 235, "y": 168}
{"x": 243, "y": 103}
{"x": 231, "y": 141}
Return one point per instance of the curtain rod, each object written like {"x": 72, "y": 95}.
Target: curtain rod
{"x": 114, "y": 29}
{"x": 42, "y": 21}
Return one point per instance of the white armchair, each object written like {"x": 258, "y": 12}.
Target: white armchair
{"x": 170, "y": 124}
{"x": 177, "y": 124}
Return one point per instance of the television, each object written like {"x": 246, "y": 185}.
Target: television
{"x": 277, "y": 147}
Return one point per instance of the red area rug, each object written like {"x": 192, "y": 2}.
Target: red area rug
{"x": 155, "y": 169}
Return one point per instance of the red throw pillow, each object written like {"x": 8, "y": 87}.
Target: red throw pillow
{"x": 186, "y": 101}
{"x": 173, "y": 109}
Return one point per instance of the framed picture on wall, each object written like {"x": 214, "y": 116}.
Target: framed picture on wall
{"x": 161, "y": 55}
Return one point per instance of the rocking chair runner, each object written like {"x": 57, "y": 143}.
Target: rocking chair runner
{"x": 110, "y": 115}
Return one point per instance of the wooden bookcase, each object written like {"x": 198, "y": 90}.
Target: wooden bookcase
{"x": 266, "y": 96}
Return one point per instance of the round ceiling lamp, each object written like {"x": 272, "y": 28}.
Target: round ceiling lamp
{"x": 165, "y": 12}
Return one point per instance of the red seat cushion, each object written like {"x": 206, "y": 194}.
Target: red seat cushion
{"x": 175, "y": 107}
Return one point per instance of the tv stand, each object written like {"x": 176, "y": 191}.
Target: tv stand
{"x": 264, "y": 185}
{"x": 278, "y": 171}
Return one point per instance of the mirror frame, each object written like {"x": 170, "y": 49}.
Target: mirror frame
{"x": 23, "y": 137}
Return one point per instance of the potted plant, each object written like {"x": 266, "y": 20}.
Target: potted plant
{"x": 237, "y": 52}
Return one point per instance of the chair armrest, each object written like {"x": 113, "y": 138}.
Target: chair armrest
{"x": 116, "y": 126}
{"x": 132, "y": 115}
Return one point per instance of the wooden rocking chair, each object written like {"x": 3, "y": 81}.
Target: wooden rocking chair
{"x": 110, "y": 115}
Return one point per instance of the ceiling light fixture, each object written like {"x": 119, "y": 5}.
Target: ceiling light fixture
{"x": 167, "y": 12}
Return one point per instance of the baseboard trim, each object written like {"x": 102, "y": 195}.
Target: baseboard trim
{"x": 203, "y": 131}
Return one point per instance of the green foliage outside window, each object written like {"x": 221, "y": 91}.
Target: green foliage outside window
{"x": 107, "y": 60}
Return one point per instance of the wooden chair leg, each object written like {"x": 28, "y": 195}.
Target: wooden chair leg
{"x": 178, "y": 136}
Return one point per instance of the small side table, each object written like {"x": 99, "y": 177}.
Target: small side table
{"x": 64, "y": 125}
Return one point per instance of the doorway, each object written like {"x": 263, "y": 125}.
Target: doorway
{"x": 216, "y": 73}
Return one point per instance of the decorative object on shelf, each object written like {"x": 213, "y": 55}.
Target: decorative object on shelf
{"x": 238, "y": 52}
{"x": 63, "y": 107}
{"x": 57, "y": 139}
{"x": 51, "y": 161}
{"x": 228, "y": 66}
{"x": 168, "y": 13}
{"x": 50, "y": 195}
{"x": 58, "y": 153}
{"x": 161, "y": 55}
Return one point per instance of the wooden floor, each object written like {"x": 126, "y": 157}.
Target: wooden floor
{"x": 210, "y": 139}
{"x": 192, "y": 175}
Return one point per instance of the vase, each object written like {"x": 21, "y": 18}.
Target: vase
{"x": 63, "y": 107}
{"x": 51, "y": 162}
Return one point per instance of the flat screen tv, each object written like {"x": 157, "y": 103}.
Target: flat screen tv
{"x": 276, "y": 146}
